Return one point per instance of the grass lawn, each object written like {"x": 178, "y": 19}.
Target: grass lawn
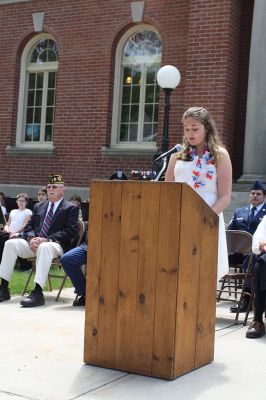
{"x": 18, "y": 280}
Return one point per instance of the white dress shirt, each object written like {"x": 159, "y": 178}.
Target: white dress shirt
{"x": 259, "y": 236}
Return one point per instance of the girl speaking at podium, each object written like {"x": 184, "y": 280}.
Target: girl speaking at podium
{"x": 205, "y": 165}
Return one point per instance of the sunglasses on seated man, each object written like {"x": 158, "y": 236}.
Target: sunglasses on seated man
{"x": 54, "y": 186}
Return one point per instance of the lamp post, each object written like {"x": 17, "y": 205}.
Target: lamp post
{"x": 168, "y": 78}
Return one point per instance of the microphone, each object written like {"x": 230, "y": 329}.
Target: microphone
{"x": 175, "y": 149}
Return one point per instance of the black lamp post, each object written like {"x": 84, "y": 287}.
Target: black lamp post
{"x": 168, "y": 78}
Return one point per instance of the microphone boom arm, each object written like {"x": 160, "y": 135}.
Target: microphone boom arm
{"x": 162, "y": 169}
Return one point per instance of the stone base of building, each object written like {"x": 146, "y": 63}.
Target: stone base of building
{"x": 251, "y": 177}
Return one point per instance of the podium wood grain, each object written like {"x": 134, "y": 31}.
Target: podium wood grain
{"x": 151, "y": 278}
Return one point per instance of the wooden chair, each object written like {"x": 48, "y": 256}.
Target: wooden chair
{"x": 234, "y": 282}
{"x": 56, "y": 261}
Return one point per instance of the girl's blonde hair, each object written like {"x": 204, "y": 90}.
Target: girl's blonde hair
{"x": 213, "y": 141}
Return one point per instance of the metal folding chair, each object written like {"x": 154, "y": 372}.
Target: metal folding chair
{"x": 56, "y": 261}
{"x": 234, "y": 283}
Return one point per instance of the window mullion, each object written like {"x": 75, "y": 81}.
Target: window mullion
{"x": 25, "y": 108}
{"x": 142, "y": 103}
{"x": 120, "y": 103}
{"x": 43, "y": 67}
{"x": 44, "y": 105}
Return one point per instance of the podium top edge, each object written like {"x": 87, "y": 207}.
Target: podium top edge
{"x": 181, "y": 187}
{"x": 134, "y": 181}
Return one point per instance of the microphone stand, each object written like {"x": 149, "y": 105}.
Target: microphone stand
{"x": 164, "y": 159}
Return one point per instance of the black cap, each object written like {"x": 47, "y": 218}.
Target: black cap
{"x": 55, "y": 178}
{"x": 258, "y": 185}
{"x": 120, "y": 175}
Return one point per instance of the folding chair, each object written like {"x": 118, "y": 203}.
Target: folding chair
{"x": 249, "y": 277}
{"x": 65, "y": 276}
{"x": 56, "y": 261}
{"x": 234, "y": 282}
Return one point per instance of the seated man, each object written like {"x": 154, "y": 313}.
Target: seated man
{"x": 72, "y": 262}
{"x": 247, "y": 219}
{"x": 2, "y": 202}
{"x": 77, "y": 200}
{"x": 47, "y": 235}
{"x": 42, "y": 194}
{"x": 257, "y": 327}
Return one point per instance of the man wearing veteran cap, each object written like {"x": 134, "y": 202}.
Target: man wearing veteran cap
{"x": 247, "y": 219}
{"x": 48, "y": 234}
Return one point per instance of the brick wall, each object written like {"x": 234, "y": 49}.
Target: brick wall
{"x": 212, "y": 60}
{"x": 206, "y": 39}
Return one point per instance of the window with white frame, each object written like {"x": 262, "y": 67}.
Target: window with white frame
{"x": 38, "y": 93}
{"x": 13, "y": 1}
{"x": 135, "y": 113}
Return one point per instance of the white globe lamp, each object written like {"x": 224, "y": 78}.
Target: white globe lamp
{"x": 168, "y": 78}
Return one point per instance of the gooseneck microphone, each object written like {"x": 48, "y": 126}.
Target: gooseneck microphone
{"x": 175, "y": 149}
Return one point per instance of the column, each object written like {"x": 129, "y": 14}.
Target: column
{"x": 255, "y": 133}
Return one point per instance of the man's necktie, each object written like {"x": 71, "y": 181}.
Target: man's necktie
{"x": 47, "y": 222}
{"x": 252, "y": 214}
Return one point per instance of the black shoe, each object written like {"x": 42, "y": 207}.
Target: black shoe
{"x": 80, "y": 301}
{"x": 256, "y": 330}
{"x": 243, "y": 307}
{"x": 34, "y": 299}
{"x": 4, "y": 294}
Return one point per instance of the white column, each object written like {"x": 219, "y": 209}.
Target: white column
{"x": 255, "y": 133}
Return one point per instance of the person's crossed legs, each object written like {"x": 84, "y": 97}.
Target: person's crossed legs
{"x": 72, "y": 262}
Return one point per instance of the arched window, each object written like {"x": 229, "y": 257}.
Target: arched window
{"x": 39, "y": 68}
{"x": 136, "y": 95}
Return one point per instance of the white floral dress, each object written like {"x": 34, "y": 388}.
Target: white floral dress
{"x": 201, "y": 175}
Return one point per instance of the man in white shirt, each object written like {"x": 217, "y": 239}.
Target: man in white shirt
{"x": 257, "y": 327}
{"x": 247, "y": 219}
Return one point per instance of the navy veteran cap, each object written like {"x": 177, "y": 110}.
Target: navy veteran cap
{"x": 55, "y": 179}
{"x": 258, "y": 185}
{"x": 120, "y": 175}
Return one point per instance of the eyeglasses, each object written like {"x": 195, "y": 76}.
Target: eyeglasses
{"x": 52, "y": 186}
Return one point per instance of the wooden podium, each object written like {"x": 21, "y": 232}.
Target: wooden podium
{"x": 151, "y": 278}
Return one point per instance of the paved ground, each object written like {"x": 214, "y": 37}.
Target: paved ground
{"x": 42, "y": 353}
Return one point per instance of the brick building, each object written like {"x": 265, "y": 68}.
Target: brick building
{"x": 78, "y": 89}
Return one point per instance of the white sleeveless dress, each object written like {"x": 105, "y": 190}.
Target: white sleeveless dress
{"x": 201, "y": 175}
